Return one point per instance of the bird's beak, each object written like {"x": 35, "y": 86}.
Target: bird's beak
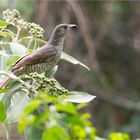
{"x": 73, "y": 26}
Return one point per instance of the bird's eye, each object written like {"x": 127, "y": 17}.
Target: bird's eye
{"x": 65, "y": 27}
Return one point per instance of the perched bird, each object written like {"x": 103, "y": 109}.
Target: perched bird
{"x": 44, "y": 58}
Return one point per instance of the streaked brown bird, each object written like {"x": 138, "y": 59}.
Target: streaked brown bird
{"x": 44, "y": 58}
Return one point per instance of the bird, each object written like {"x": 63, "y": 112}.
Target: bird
{"x": 44, "y": 58}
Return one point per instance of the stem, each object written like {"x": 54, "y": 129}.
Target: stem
{"x": 12, "y": 34}
{"x": 29, "y": 45}
{"x": 3, "y": 59}
{"x": 26, "y": 37}
{"x": 35, "y": 45}
{"x": 17, "y": 36}
{"x": 3, "y": 28}
{"x": 40, "y": 40}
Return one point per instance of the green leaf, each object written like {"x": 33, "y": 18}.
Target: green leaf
{"x": 54, "y": 133}
{"x": 11, "y": 59}
{"x": 18, "y": 103}
{"x": 2, "y": 112}
{"x": 119, "y": 136}
{"x": 26, "y": 121}
{"x": 12, "y": 34}
{"x": 3, "y": 23}
{"x": 42, "y": 118}
{"x": 33, "y": 133}
{"x": 79, "y": 132}
{"x": 26, "y": 117}
{"x": 11, "y": 75}
{"x": 4, "y": 90}
{"x": 5, "y": 34}
{"x": 31, "y": 107}
{"x": 66, "y": 107}
{"x": 79, "y": 97}
{"x": 18, "y": 49}
{"x": 72, "y": 60}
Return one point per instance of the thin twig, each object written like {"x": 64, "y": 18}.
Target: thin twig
{"x": 17, "y": 36}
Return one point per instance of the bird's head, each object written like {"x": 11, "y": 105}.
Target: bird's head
{"x": 60, "y": 32}
{"x": 62, "y": 29}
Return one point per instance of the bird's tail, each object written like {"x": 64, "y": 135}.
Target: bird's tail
{"x": 5, "y": 82}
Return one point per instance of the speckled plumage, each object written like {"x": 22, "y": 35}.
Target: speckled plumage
{"x": 39, "y": 68}
{"x": 44, "y": 58}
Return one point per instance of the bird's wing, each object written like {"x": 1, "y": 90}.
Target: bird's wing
{"x": 43, "y": 54}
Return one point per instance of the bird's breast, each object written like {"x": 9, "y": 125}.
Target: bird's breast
{"x": 39, "y": 68}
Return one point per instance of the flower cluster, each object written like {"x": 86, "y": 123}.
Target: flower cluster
{"x": 11, "y": 16}
{"x": 36, "y": 30}
{"x": 22, "y": 24}
{"x": 49, "y": 85}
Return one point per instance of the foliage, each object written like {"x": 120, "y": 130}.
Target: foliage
{"x": 55, "y": 119}
{"x": 119, "y": 136}
{"x": 40, "y": 105}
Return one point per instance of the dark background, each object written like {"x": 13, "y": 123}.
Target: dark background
{"x": 108, "y": 41}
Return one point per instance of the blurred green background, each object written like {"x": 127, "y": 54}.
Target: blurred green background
{"x": 108, "y": 41}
